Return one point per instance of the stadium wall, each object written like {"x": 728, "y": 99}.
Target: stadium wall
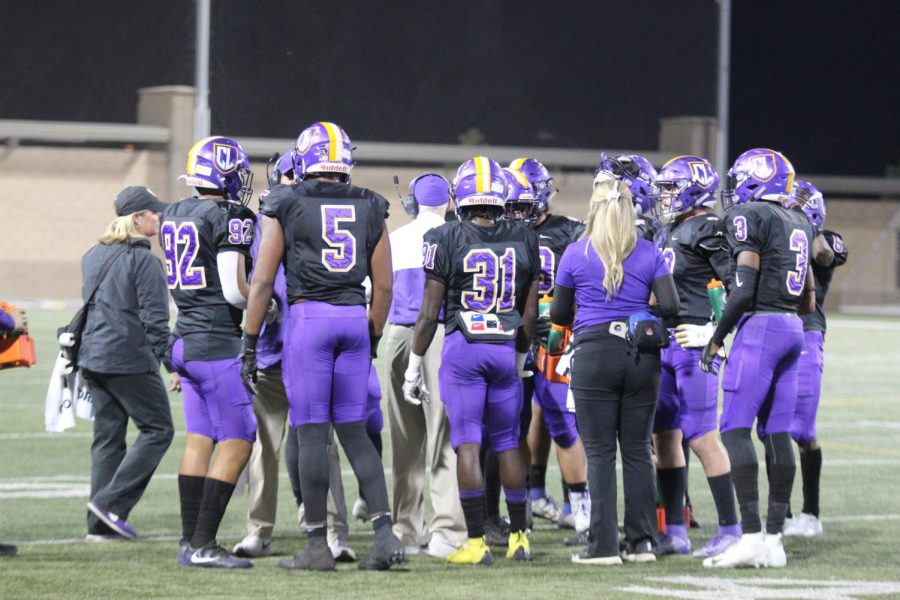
{"x": 52, "y": 221}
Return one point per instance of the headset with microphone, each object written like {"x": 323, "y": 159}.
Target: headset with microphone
{"x": 410, "y": 202}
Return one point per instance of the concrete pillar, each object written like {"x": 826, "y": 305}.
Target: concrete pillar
{"x": 688, "y": 135}
{"x": 170, "y": 106}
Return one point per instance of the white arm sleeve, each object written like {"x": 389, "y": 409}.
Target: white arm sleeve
{"x": 227, "y": 264}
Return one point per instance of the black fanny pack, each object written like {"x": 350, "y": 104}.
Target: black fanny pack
{"x": 646, "y": 332}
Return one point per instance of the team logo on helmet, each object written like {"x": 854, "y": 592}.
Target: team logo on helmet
{"x": 305, "y": 139}
{"x": 702, "y": 174}
{"x": 226, "y": 157}
{"x": 763, "y": 166}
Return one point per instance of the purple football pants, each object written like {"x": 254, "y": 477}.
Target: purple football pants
{"x": 551, "y": 397}
{"x": 688, "y": 397}
{"x": 216, "y": 404}
{"x": 480, "y": 386}
{"x": 809, "y": 386}
{"x": 760, "y": 380}
{"x": 326, "y": 363}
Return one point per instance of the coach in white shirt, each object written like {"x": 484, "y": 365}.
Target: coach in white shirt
{"x": 420, "y": 434}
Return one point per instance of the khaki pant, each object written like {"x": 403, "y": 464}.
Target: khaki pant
{"x": 271, "y": 408}
{"x": 420, "y": 442}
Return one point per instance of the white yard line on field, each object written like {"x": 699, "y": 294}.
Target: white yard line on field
{"x": 722, "y": 588}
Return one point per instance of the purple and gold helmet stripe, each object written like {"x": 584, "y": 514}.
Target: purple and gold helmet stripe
{"x": 520, "y": 177}
{"x": 191, "y": 168}
{"x": 517, "y": 164}
{"x": 335, "y": 141}
{"x": 482, "y": 174}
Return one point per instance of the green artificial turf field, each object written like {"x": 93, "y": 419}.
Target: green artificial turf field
{"x": 44, "y": 482}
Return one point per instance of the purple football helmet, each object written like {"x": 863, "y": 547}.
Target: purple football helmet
{"x": 809, "y": 198}
{"x": 280, "y": 166}
{"x": 480, "y": 181}
{"x": 541, "y": 182}
{"x": 637, "y": 172}
{"x": 219, "y": 163}
{"x": 758, "y": 174}
{"x": 323, "y": 147}
{"x": 521, "y": 204}
{"x": 683, "y": 184}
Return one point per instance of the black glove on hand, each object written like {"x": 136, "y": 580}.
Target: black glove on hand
{"x": 248, "y": 362}
{"x": 373, "y": 345}
{"x": 542, "y": 329}
{"x": 706, "y": 359}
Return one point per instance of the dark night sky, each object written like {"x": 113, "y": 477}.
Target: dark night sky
{"x": 817, "y": 79}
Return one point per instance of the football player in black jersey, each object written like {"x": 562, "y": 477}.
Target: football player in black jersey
{"x": 692, "y": 240}
{"x": 331, "y": 235}
{"x": 206, "y": 240}
{"x": 771, "y": 285}
{"x": 829, "y": 252}
{"x": 531, "y": 190}
{"x": 485, "y": 272}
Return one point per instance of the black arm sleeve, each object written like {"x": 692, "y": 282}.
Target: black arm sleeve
{"x": 562, "y": 311}
{"x": 666, "y": 297}
{"x": 740, "y": 298}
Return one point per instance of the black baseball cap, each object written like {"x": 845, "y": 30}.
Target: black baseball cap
{"x": 137, "y": 198}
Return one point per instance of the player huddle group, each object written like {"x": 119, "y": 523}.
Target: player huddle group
{"x": 311, "y": 280}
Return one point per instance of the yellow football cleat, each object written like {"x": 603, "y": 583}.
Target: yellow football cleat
{"x": 473, "y": 552}
{"x": 519, "y": 549}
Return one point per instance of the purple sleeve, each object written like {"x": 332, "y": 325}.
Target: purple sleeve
{"x": 662, "y": 267}
{"x": 7, "y": 323}
{"x": 566, "y": 264}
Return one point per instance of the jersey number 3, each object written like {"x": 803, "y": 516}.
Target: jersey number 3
{"x": 340, "y": 255}
{"x": 796, "y": 278}
{"x": 181, "y": 243}
{"x": 493, "y": 282}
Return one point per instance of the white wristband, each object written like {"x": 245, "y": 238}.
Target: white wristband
{"x": 415, "y": 364}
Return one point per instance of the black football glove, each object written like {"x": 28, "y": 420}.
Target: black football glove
{"x": 248, "y": 362}
{"x": 707, "y": 358}
{"x": 373, "y": 345}
{"x": 542, "y": 329}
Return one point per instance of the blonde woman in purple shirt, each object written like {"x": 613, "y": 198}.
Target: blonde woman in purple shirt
{"x": 610, "y": 274}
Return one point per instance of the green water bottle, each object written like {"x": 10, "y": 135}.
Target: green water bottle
{"x": 716, "y": 292}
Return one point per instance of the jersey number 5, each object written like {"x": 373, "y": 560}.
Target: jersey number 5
{"x": 340, "y": 255}
{"x": 493, "y": 282}
{"x": 181, "y": 243}
{"x": 796, "y": 278}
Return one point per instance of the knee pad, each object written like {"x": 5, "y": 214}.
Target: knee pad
{"x": 312, "y": 434}
{"x": 740, "y": 447}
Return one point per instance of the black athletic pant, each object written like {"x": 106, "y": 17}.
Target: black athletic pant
{"x": 119, "y": 475}
{"x": 615, "y": 389}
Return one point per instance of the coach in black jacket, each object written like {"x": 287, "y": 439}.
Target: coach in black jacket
{"x": 124, "y": 341}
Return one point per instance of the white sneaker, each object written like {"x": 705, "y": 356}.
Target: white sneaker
{"x": 253, "y": 546}
{"x": 545, "y": 508}
{"x": 361, "y": 510}
{"x": 751, "y": 551}
{"x": 581, "y": 510}
{"x": 341, "y": 551}
{"x": 805, "y": 525}
{"x": 439, "y": 546}
{"x": 776, "y": 558}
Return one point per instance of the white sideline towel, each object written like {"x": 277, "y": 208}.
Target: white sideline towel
{"x": 68, "y": 396}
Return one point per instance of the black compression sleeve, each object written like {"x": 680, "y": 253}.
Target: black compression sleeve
{"x": 563, "y": 308}
{"x": 740, "y": 298}
{"x": 666, "y": 297}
